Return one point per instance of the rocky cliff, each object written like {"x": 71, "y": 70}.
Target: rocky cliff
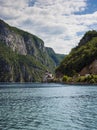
{"x": 23, "y": 56}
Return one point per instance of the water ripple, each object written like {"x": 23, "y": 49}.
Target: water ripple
{"x": 54, "y": 108}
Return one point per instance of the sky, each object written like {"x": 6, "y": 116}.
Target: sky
{"x": 59, "y": 23}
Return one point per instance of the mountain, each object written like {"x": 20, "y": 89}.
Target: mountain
{"x": 82, "y": 59}
{"x": 23, "y": 56}
{"x": 57, "y": 58}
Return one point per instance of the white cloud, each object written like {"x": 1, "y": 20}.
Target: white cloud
{"x": 53, "y": 21}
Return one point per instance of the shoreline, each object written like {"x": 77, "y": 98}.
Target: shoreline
{"x": 67, "y": 83}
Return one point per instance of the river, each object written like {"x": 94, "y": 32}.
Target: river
{"x": 37, "y": 106}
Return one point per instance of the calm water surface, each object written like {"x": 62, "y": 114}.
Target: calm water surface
{"x": 48, "y": 107}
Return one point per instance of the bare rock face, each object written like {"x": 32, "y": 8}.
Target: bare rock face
{"x": 12, "y": 39}
{"x": 91, "y": 69}
{"x": 16, "y": 42}
{"x": 85, "y": 71}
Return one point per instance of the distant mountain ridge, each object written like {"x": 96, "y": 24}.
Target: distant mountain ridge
{"x": 82, "y": 59}
{"x": 57, "y": 58}
{"x": 23, "y": 56}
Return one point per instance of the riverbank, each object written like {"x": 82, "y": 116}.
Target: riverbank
{"x": 77, "y": 80}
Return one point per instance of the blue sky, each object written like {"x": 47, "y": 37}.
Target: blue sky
{"x": 60, "y": 23}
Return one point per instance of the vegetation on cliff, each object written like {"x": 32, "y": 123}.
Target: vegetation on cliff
{"x": 82, "y": 55}
{"x": 23, "y": 56}
{"x": 19, "y": 68}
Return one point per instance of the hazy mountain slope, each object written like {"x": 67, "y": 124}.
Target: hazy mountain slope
{"x": 57, "y": 58}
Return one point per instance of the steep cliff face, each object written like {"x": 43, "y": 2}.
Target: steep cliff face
{"x": 19, "y": 68}
{"x": 24, "y": 43}
{"x": 23, "y": 56}
{"x": 82, "y": 59}
{"x": 12, "y": 39}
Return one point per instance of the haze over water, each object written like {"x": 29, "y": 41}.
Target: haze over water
{"x": 48, "y": 107}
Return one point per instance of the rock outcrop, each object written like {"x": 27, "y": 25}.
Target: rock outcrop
{"x": 91, "y": 69}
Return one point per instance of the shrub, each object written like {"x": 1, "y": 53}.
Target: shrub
{"x": 66, "y": 78}
{"x": 88, "y": 79}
